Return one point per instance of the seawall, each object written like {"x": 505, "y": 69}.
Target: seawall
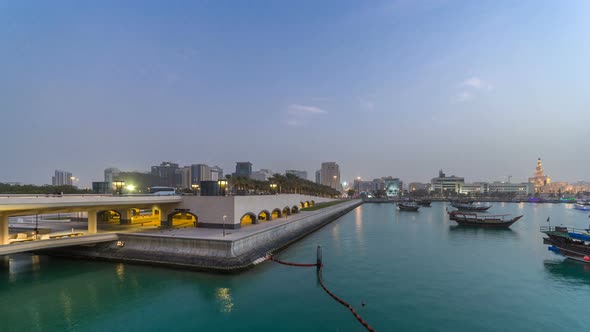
{"x": 214, "y": 255}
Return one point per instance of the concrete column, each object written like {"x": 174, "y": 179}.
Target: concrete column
{"x": 3, "y": 229}
{"x": 125, "y": 216}
{"x": 164, "y": 212}
{"x": 92, "y": 225}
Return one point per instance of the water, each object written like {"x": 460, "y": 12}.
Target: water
{"x": 414, "y": 271}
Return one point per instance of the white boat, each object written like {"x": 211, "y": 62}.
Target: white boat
{"x": 582, "y": 205}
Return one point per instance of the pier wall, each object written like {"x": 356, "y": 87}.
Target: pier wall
{"x": 218, "y": 255}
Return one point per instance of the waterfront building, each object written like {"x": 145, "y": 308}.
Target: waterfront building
{"x": 539, "y": 180}
{"x": 111, "y": 174}
{"x": 165, "y": 173}
{"x": 417, "y": 186}
{"x": 199, "y": 173}
{"x": 393, "y": 186}
{"x": 507, "y": 187}
{"x": 261, "y": 175}
{"x": 578, "y": 187}
{"x": 62, "y": 178}
{"x": 318, "y": 177}
{"x": 476, "y": 188}
{"x": 297, "y": 173}
{"x": 243, "y": 169}
{"x": 330, "y": 175}
{"x": 444, "y": 183}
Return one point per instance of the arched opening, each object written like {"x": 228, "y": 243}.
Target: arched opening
{"x": 108, "y": 216}
{"x": 182, "y": 219}
{"x": 248, "y": 219}
{"x": 301, "y": 205}
{"x": 306, "y": 204}
{"x": 264, "y": 216}
{"x": 276, "y": 213}
{"x": 312, "y": 203}
{"x": 286, "y": 211}
{"x": 294, "y": 209}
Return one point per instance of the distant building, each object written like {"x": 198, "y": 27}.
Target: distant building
{"x": 261, "y": 175}
{"x": 506, "y": 187}
{"x": 539, "y": 180}
{"x": 417, "y": 186}
{"x": 393, "y": 186}
{"x": 199, "y": 173}
{"x": 62, "y": 178}
{"x": 318, "y": 176}
{"x": 183, "y": 177}
{"x": 142, "y": 181}
{"x": 216, "y": 173}
{"x": 299, "y": 174}
{"x": 474, "y": 188}
{"x": 443, "y": 183}
{"x": 166, "y": 174}
{"x": 111, "y": 174}
{"x": 330, "y": 175}
{"x": 102, "y": 187}
{"x": 243, "y": 169}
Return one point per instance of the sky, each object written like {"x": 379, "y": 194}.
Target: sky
{"x": 400, "y": 88}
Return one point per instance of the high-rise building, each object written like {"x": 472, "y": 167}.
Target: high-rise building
{"x": 539, "y": 180}
{"x": 243, "y": 169}
{"x": 111, "y": 174}
{"x": 297, "y": 173}
{"x": 62, "y": 178}
{"x": 216, "y": 173}
{"x": 318, "y": 176}
{"x": 166, "y": 173}
{"x": 330, "y": 175}
{"x": 183, "y": 177}
{"x": 200, "y": 172}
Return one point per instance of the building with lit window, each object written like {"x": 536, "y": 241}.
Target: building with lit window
{"x": 444, "y": 183}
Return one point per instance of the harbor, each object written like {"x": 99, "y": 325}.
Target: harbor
{"x": 414, "y": 271}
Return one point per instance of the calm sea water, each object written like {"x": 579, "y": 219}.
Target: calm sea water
{"x": 414, "y": 271}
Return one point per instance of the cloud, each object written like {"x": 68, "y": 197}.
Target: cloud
{"x": 297, "y": 114}
{"x": 476, "y": 83}
{"x": 463, "y": 96}
{"x": 303, "y": 109}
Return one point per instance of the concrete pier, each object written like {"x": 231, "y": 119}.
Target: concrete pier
{"x": 209, "y": 249}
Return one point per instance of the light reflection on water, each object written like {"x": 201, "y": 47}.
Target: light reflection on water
{"x": 223, "y": 296}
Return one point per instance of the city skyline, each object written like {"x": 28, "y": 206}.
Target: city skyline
{"x": 397, "y": 88}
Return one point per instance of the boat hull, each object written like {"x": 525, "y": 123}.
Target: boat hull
{"x": 408, "y": 208}
{"x": 469, "y": 223}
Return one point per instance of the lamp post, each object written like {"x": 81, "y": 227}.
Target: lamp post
{"x": 195, "y": 188}
{"x": 222, "y": 186}
{"x": 119, "y": 186}
{"x": 273, "y": 187}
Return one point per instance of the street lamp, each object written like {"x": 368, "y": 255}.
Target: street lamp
{"x": 195, "y": 188}
{"x": 273, "y": 187}
{"x": 119, "y": 186}
{"x": 222, "y": 186}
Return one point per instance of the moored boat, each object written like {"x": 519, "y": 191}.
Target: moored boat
{"x": 569, "y": 242}
{"x": 491, "y": 221}
{"x": 408, "y": 206}
{"x": 424, "y": 202}
{"x": 582, "y": 205}
{"x": 470, "y": 207}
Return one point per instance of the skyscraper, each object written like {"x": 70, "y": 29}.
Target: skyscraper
{"x": 330, "y": 175}
{"x": 243, "y": 169}
{"x": 299, "y": 174}
{"x": 318, "y": 176}
{"x": 61, "y": 178}
{"x": 166, "y": 173}
{"x": 216, "y": 173}
{"x": 200, "y": 172}
{"x": 111, "y": 174}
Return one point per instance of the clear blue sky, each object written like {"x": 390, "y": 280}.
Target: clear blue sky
{"x": 402, "y": 88}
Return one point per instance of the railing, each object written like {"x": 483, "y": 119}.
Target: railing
{"x": 562, "y": 229}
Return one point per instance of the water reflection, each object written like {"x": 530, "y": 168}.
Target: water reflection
{"x": 224, "y": 298}
{"x": 458, "y": 232}
{"x": 568, "y": 271}
{"x": 120, "y": 268}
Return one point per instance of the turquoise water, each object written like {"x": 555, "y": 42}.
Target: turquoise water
{"x": 414, "y": 271}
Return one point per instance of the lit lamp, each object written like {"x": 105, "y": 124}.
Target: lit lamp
{"x": 195, "y": 188}
{"x": 119, "y": 186}
{"x": 222, "y": 186}
{"x": 273, "y": 187}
